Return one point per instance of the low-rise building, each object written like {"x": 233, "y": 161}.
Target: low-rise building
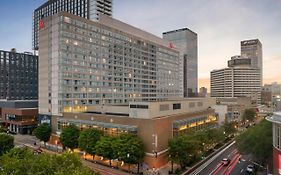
{"x": 19, "y": 116}
{"x": 235, "y": 107}
{"x": 154, "y": 122}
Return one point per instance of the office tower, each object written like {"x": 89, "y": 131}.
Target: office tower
{"x": 253, "y": 49}
{"x": 84, "y": 62}
{"x": 185, "y": 41}
{"x": 18, "y": 75}
{"x": 89, "y": 9}
{"x": 239, "y": 79}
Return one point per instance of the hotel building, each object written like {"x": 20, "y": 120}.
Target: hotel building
{"x": 84, "y": 63}
{"x": 89, "y": 9}
{"x": 118, "y": 78}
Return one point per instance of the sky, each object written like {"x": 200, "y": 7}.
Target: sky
{"x": 220, "y": 25}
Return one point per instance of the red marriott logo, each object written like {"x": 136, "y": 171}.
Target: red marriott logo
{"x": 41, "y": 24}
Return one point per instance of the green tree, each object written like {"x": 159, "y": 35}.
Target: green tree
{"x": 129, "y": 148}
{"x": 249, "y": 114}
{"x": 43, "y": 132}
{"x": 230, "y": 128}
{"x": 88, "y": 140}
{"x": 184, "y": 150}
{"x": 257, "y": 141}
{"x": 105, "y": 148}
{"x": 6, "y": 143}
{"x": 2, "y": 129}
{"x": 69, "y": 136}
{"x": 24, "y": 162}
{"x": 215, "y": 136}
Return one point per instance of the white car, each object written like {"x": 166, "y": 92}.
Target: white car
{"x": 250, "y": 168}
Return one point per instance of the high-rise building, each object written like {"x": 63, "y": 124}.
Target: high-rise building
{"x": 239, "y": 79}
{"x": 185, "y": 41}
{"x": 253, "y": 49}
{"x": 18, "y": 75}
{"x": 89, "y": 9}
{"x": 84, "y": 62}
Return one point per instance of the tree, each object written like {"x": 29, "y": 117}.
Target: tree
{"x": 69, "y": 136}
{"x": 249, "y": 114}
{"x": 257, "y": 141}
{"x": 2, "y": 129}
{"x": 105, "y": 148}
{"x": 6, "y": 143}
{"x": 215, "y": 136}
{"x": 130, "y": 149}
{"x": 184, "y": 150}
{"x": 230, "y": 128}
{"x": 43, "y": 132}
{"x": 22, "y": 161}
{"x": 88, "y": 139}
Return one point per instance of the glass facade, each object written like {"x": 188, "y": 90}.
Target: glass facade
{"x": 193, "y": 124}
{"x": 107, "y": 128}
{"x": 186, "y": 41}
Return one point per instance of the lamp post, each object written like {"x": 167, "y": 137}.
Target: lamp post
{"x": 128, "y": 156}
{"x": 84, "y": 155}
{"x": 56, "y": 142}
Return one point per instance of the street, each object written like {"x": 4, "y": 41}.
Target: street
{"x": 28, "y": 140}
{"x": 238, "y": 164}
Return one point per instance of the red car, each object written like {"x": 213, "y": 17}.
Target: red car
{"x": 225, "y": 161}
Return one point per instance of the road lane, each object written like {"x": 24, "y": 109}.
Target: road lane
{"x": 210, "y": 168}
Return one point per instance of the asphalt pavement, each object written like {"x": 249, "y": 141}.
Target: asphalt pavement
{"x": 238, "y": 164}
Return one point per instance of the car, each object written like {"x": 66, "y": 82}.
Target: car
{"x": 250, "y": 169}
{"x": 225, "y": 161}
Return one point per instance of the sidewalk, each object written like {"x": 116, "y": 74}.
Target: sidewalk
{"x": 102, "y": 169}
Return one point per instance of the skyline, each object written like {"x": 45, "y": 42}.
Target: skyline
{"x": 220, "y": 26}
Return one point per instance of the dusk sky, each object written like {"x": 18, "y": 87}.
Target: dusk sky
{"x": 220, "y": 25}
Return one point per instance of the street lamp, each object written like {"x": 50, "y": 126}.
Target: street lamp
{"x": 128, "y": 155}
{"x": 84, "y": 155}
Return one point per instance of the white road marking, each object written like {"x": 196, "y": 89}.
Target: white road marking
{"x": 203, "y": 166}
{"x": 241, "y": 170}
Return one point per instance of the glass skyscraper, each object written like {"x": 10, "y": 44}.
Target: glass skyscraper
{"x": 185, "y": 41}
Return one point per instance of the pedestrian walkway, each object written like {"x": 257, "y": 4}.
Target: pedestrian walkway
{"x": 103, "y": 169}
